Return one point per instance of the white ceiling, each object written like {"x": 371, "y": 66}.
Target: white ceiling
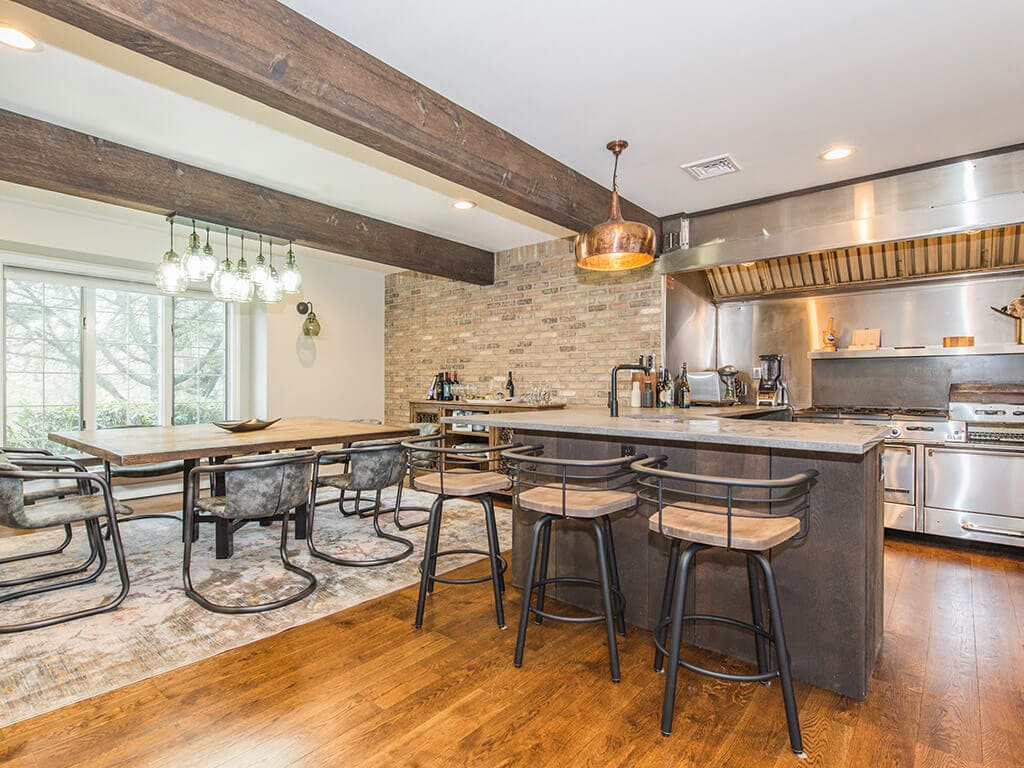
{"x": 84, "y": 83}
{"x": 773, "y": 83}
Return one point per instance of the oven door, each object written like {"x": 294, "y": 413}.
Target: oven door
{"x": 973, "y": 480}
{"x": 898, "y": 467}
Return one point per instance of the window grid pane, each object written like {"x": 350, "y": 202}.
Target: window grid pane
{"x": 200, "y": 361}
{"x": 43, "y": 362}
{"x": 127, "y": 358}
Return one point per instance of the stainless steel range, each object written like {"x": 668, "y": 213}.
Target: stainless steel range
{"x": 956, "y": 473}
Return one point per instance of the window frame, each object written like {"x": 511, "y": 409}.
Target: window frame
{"x": 88, "y": 280}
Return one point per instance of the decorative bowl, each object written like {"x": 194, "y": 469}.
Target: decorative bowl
{"x": 247, "y": 425}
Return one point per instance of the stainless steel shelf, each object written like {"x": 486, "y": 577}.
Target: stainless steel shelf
{"x": 928, "y": 351}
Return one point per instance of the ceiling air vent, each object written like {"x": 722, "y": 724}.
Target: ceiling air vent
{"x": 711, "y": 167}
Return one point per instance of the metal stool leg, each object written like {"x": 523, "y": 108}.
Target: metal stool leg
{"x": 524, "y": 614}
{"x": 666, "y": 602}
{"x": 429, "y": 552}
{"x": 606, "y": 595}
{"x": 676, "y": 638}
{"x": 493, "y": 547}
{"x": 433, "y": 542}
{"x": 614, "y": 566}
{"x": 542, "y": 588}
{"x": 782, "y": 654}
{"x": 757, "y": 610}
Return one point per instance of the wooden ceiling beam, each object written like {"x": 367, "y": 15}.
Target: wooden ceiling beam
{"x": 39, "y": 154}
{"x": 268, "y": 52}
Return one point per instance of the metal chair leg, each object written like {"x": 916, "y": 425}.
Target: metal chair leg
{"x": 606, "y": 595}
{"x": 407, "y": 546}
{"x": 429, "y": 555}
{"x": 96, "y": 550}
{"x": 44, "y": 553}
{"x": 524, "y": 614}
{"x": 494, "y": 548}
{"x": 757, "y": 611}
{"x": 545, "y": 554}
{"x": 676, "y": 639}
{"x": 666, "y": 603}
{"x": 435, "y": 543}
{"x": 782, "y": 655}
{"x": 620, "y": 618}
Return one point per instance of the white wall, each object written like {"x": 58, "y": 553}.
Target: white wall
{"x": 339, "y": 374}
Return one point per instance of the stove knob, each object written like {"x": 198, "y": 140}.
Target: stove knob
{"x": 894, "y": 432}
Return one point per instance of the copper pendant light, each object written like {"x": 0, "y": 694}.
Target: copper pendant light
{"x": 616, "y": 245}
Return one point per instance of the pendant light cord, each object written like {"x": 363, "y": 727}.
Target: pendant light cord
{"x": 615, "y": 174}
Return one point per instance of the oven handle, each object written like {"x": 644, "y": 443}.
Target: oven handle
{"x": 906, "y": 448}
{"x": 995, "y": 531}
{"x": 897, "y": 490}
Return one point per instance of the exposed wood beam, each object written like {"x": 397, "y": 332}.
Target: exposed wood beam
{"x": 270, "y": 53}
{"x": 39, "y": 154}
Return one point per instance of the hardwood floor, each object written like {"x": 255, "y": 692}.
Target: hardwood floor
{"x": 363, "y": 688}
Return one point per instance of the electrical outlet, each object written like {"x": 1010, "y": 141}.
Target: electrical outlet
{"x": 629, "y": 450}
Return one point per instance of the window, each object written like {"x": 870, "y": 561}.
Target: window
{"x": 42, "y": 361}
{"x": 80, "y": 351}
{"x": 200, "y": 361}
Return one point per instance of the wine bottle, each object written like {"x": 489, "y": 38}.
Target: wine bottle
{"x": 432, "y": 392}
{"x": 510, "y": 387}
{"x": 665, "y": 389}
{"x": 686, "y": 388}
{"x": 455, "y": 384}
{"x": 446, "y": 386}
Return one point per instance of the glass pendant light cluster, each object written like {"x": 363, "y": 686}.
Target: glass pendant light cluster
{"x": 228, "y": 282}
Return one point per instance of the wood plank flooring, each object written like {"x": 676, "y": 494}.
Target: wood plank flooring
{"x": 363, "y": 688}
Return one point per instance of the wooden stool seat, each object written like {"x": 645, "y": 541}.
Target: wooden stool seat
{"x": 707, "y": 524}
{"x": 461, "y": 482}
{"x": 578, "y": 503}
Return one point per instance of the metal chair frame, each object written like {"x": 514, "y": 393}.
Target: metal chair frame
{"x": 467, "y": 457}
{"x": 534, "y": 470}
{"x": 345, "y": 455}
{"x": 662, "y": 488}
{"x": 192, "y": 493}
{"x": 97, "y": 551}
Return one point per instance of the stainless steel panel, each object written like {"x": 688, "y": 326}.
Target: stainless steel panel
{"x": 957, "y": 197}
{"x": 993, "y": 529}
{"x": 900, "y": 517}
{"x": 690, "y": 324}
{"x": 970, "y": 480}
{"x": 898, "y": 465}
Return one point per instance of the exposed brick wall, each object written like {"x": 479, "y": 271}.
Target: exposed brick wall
{"x": 543, "y": 319}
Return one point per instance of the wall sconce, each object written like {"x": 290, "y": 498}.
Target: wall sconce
{"x": 310, "y": 326}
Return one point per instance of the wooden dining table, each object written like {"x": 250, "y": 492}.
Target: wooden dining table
{"x": 137, "y": 446}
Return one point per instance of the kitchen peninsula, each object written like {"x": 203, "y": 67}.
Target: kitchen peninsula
{"x": 830, "y": 583}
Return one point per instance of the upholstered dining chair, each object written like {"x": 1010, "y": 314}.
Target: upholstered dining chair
{"x": 87, "y": 508}
{"x": 373, "y": 466}
{"x": 262, "y": 487}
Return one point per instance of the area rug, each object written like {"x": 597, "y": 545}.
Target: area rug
{"x": 158, "y": 628}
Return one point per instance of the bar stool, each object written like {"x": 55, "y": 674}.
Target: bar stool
{"x": 458, "y": 473}
{"x": 703, "y": 511}
{"x": 576, "y": 489}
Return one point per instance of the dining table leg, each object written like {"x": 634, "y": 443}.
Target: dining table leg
{"x": 223, "y": 529}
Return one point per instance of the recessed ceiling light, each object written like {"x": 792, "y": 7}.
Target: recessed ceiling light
{"x": 15, "y": 38}
{"x": 837, "y": 153}
{"x": 463, "y": 205}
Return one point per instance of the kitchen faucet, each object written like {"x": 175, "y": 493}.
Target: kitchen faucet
{"x": 613, "y": 404}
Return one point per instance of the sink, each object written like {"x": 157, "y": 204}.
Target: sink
{"x": 653, "y": 417}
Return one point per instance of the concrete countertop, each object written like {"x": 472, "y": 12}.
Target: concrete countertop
{"x": 699, "y": 424}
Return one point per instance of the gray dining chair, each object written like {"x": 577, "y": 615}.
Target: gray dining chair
{"x": 80, "y": 507}
{"x": 373, "y": 466}
{"x": 256, "y": 488}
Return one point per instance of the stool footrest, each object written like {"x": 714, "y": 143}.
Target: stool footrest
{"x": 476, "y": 580}
{"x": 617, "y": 596}
{"x": 758, "y": 677}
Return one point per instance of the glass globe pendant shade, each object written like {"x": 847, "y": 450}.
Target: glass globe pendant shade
{"x": 193, "y": 260}
{"x": 244, "y": 287}
{"x": 170, "y": 276}
{"x": 209, "y": 261}
{"x": 223, "y": 282}
{"x": 270, "y": 291}
{"x": 291, "y": 278}
{"x": 259, "y": 272}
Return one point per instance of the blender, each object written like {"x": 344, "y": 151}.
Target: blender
{"x": 769, "y": 389}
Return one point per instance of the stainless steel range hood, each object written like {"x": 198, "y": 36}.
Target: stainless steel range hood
{"x": 950, "y": 219}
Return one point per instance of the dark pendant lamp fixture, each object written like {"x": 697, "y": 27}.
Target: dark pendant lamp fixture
{"x": 615, "y": 245}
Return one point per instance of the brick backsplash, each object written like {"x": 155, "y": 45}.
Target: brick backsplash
{"x": 543, "y": 319}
